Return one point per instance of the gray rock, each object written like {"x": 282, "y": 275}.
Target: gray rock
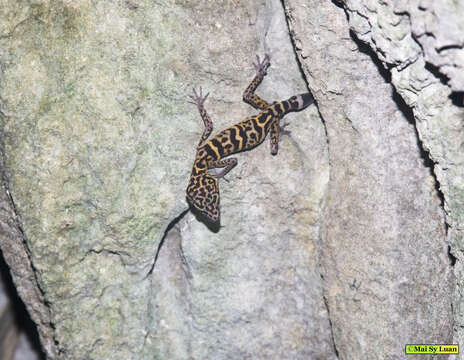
{"x": 403, "y": 32}
{"x": 98, "y": 143}
{"x": 431, "y": 84}
{"x": 15, "y": 253}
{"x": 335, "y": 248}
{"x": 388, "y": 279}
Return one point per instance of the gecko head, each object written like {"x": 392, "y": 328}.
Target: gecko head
{"x": 203, "y": 195}
{"x": 300, "y": 102}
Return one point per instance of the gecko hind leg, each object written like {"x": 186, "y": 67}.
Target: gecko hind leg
{"x": 198, "y": 99}
{"x": 249, "y": 95}
{"x": 225, "y": 164}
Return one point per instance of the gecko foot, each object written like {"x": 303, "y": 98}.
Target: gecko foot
{"x": 198, "y": 99}
{"x": 261, "y": 66}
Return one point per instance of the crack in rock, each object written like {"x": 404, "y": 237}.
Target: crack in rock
{"x": 171, "y": 224}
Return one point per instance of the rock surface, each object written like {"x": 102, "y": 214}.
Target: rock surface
{"x": 388, "y": 280}
{"x": 99, "y": 142}
{"x": 15, "y": 253}
{"x": 335, "y": 247}
{"x": 428, "y": 74}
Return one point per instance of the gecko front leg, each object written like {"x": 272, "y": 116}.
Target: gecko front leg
{"x": 199, "y": 100}
{"x": 249, "y": 95}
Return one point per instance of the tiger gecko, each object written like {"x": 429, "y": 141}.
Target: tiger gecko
{"x": 203, "y": 187}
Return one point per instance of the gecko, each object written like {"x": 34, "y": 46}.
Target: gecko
{"x": 203, "y": 187}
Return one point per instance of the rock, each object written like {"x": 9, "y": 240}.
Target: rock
{"x": 388, "y": 279}
{"x": 335, "y": 248}
{"x": 98, "y": 143}
{"x": 432, "y": 86}
{"x": 403, "y": 32}
{"x": 15, "y": 254}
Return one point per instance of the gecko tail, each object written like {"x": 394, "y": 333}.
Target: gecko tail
{"x": 302, "y": 101}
